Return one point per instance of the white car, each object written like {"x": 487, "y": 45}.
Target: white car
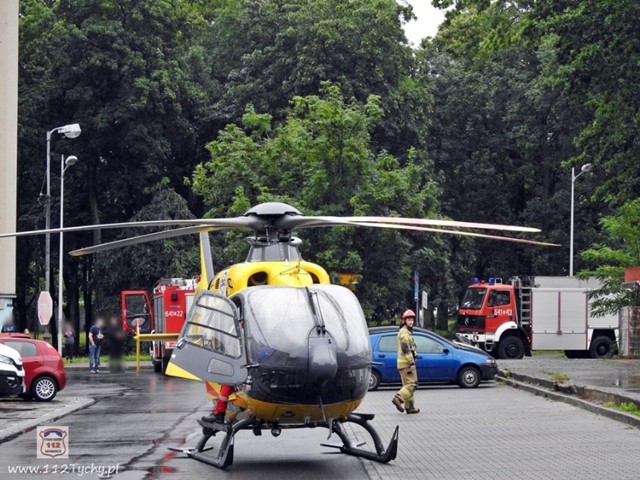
{"x": 11, "y": 372}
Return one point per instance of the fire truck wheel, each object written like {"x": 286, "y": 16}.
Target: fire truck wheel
{"x": 602, "y": 347}
{"x": 469, "y": 377}
{"x": 511, "y": 348}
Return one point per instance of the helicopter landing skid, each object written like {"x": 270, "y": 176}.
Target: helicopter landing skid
{"x": 381, "y": 454}
{"x": 224, "y": 457}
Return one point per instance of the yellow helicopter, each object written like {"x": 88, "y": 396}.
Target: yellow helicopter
{"x": 296, "y": 347}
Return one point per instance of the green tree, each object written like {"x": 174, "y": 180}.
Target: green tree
{"x": 598, "y": 52}
{"x": 593, "y": 51}
{"x": 608, "y": 261}
{"x": 145, "y": 264}
{"x": 289, "y": 47}
{"x": 504, "y": 132}
{"x": 320, "y": 160}
{"x": 271, "y": 51}
{"x": 134, "y": 74}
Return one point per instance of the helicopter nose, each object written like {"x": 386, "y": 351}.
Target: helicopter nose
{"x": 323, "y": 359}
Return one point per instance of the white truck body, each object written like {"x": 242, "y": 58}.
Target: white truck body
{"x": 561, "y": 317}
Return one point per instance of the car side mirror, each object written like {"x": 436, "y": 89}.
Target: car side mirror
{"x": 445, "y": 351}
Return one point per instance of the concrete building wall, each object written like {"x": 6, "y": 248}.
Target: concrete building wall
{"x": 8, "y": 150}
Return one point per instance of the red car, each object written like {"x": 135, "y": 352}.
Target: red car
{"x": 43, "y": 366}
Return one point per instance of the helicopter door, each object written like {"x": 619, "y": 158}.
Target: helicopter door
{"x": 210, "y": 347}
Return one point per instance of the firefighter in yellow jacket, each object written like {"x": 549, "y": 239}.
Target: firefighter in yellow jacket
{"x": 404, "y": 400}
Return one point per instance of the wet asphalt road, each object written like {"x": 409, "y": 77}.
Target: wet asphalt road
{"x": 135, "y": 419}
{"x": 461, "y": 434}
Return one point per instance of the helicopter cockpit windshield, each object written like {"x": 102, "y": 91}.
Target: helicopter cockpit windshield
{"x": 279, "y": 319}
{"x": 285, "y": 327}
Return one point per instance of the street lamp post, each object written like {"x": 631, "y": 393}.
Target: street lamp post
{"x": 584, "y": 169}
{"x": 64, "y": 164}
{"x": 70, "y": 131}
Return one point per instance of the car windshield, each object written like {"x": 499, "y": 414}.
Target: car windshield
{"x": 473, "y": 298}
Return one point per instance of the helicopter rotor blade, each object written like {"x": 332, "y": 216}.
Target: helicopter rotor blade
{"x": 237, "y": 222}
{"x": 291, "y": 222}
{"x": 150, "y": 237}
{"x": 427, "y": 222}
{"x": 457, "y": 232}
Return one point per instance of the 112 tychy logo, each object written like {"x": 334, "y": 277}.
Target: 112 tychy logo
{"x": 53, "y": 442}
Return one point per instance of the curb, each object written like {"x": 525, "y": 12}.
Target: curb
{"x": 18, "y": 428}
{"x": 537, "y": 388}
{"x": 586, "y": 391}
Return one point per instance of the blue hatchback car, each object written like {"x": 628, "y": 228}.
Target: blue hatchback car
{"x": 438, "y": 360}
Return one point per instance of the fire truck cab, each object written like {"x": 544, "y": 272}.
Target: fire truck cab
{"x": 511, "y": 319}
{"x": 172, "y": 298}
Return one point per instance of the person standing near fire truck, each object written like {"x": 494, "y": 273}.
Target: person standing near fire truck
{"x": 404, "y": 399}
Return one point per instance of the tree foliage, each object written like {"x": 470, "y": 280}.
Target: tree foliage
{"x": 608, "y": 261}
{"x": 133, "y": 74}
{"x": 172, "y": 257}
{"x": 324, "y": 105}
{"x": 321, "y": 160}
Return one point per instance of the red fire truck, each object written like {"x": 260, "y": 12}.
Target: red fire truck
{"x": 511, "y": 319}
{"x": 172, "y": 298}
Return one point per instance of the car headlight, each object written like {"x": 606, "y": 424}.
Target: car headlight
{"x": 5, "y": 359}
{"x": 491, "y": 361}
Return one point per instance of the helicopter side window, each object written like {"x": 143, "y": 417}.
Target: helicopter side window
{"x": 210, "y": 344}
{"x": 212, "y": 326}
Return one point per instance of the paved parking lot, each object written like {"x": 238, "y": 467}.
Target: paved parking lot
{"x": 17, "y": 415}
{"x": 493, "y": 432}
{"x": 502, "y": 433}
